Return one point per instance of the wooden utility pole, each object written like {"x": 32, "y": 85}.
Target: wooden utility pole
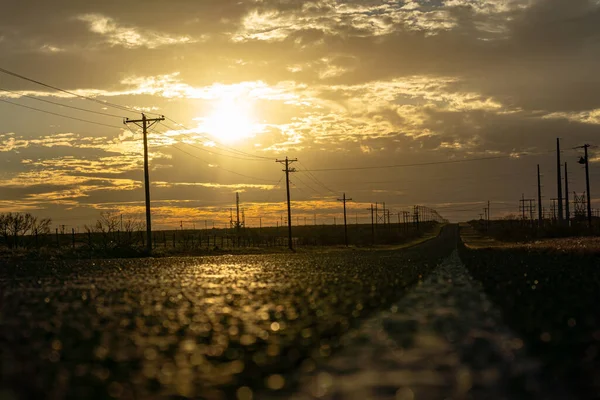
{"x": 287, "y": 162}
{"x": 372, "y": 224}
{"x": 539, "y": 186}
{"x": 522, "y": 206}
{"x": 237, "y": 212}
{"x": 145, "y": 124}
{"x": 344, "y": 200}
{"x": 559, "y": 183}
{"x": 567, "y": 211}
{"x": 416, "y": 216}
{"x": 584, "y": 160}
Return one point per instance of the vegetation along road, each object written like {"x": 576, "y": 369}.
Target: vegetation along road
{"x": 275, "y": 326}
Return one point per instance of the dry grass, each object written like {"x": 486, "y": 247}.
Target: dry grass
{"x": 474, "y": 240}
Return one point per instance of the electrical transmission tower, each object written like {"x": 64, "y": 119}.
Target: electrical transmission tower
{"x": 146, "y": 123}
{"x": 526, "y": 207}
{"x": 287, "y": 162}
{"x": 580, "y": 205}
{"x": 344, "y": 200}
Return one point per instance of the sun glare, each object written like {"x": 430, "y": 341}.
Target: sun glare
{"x": 230, "y": 121}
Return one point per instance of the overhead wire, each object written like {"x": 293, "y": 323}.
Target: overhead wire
{"x": 61, "y": 105}
{"x": 411, "y": 165}
{"x": 308, "y": 186}
{"x": 60, "y": 115}
{"x": 216, "y": 166}
{"x": 212, "y": 151}
{"x": 224, "y": 148}
{"x": 311, "y": 176}
{"x": 103, "y": 102}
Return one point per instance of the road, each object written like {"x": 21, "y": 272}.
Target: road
{"x": 433, "y": 321}
{"x": 213, "y": 327}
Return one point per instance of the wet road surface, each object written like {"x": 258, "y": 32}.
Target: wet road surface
{"x": 213, "y": 327}
{"x": 443, "y": 340}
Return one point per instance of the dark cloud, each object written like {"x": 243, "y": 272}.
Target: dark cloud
{"x": 375, "y": 83}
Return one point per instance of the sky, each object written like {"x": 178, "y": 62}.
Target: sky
{"x": 343, "y": 86}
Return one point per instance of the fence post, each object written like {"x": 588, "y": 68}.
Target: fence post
{"x": 73, "y": 236}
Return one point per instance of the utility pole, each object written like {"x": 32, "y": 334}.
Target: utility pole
{"x": 287, "y": 171}
{"x": 523, "y": 205}
{"x": 372, "y": 224}
{"x": 237, "y": 212}
{"x": 344, "y": 200}
{"x": 559, "y": 183}
{"x": 585, "y": 160}
{"x": 145, "y": 124}
{"x": 531, "y": 208}
{"x": 567, "y": 211}
{"x": 539, "y": 185}
{"x": 416, "y": 216}
{"x": 488, "y": 215}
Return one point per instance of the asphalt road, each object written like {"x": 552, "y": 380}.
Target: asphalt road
{"x": 212, "y": 327}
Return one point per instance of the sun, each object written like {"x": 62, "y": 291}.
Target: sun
{"x": 230, "y": 121}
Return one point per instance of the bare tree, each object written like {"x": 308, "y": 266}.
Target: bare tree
{"x": 15, "y": 225}
{"x": 107, "y": 227}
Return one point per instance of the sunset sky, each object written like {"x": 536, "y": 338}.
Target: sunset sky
{"x": 353, "y": 84}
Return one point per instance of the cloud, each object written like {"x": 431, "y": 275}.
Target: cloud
{"x": 333, "y": 83}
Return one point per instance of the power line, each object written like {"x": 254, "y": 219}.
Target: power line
{"x": 213, "y": 151}
{"x": 315, "y": 179}
{"x": 224, "y": 148}
{"x": 408, "y": 165}
{"x": 308, "y": 186}
{"x": 60, "y": 115}
{"x": 219, "y": 167}
{"x": 105, "y": 103}
{"x": 61, "y": 105}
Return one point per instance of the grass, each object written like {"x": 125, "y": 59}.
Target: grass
{"x": 393, "y": 239}
{"x": 474, "y": 239}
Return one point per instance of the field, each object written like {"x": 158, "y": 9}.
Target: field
{"x": 113, "y": 243}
